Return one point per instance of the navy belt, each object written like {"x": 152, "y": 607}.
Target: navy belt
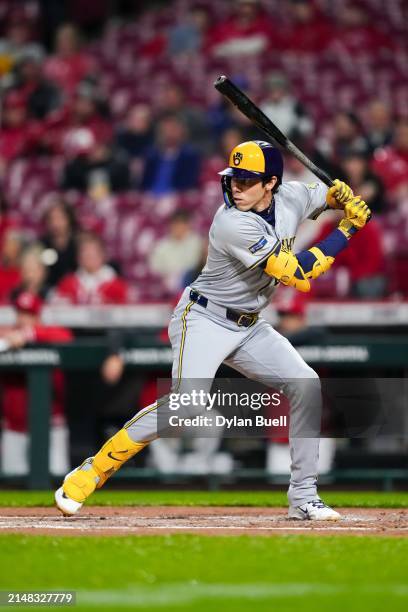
{"x": 242, "y": 319}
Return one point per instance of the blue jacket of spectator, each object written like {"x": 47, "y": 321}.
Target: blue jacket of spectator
{"x": 178, "y": 172}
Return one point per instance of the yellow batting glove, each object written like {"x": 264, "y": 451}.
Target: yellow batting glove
{"x": 356, "y": 215}
{"x": 338, "y": 195}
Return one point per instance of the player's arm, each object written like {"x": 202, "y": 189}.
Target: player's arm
{"x": 298, "y": 270}
{"x": 316, "y": 197}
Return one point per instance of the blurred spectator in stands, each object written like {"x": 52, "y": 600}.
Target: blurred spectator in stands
{"x": 347, "y": 138}
{"x": 17, "y": 39}
{"x": 41, "y": 95}
{"x": 66, "y": 128}
{"x": 309, "y": 31}
{"x": 172, "y": 164}
{"x": 296, "y": 171}
{"x": 357, "y": 33}
{"x": 220, "y": 117}
{"x": 180, "y": 251}
{"x": 97, "y": 169}
{"x": 249, "y": 130}
{"x": 247, "y": 32}
{"x": 290, "y": 306}
{"x": 28, "y": 330}
{"x": 214, "y": 164}
{"x": 172, "y": 101}
{"x": 135, "y": 136}
{"x": 189, "y": 36}
{"x": 391, "y": 162}
{"x": 284, "y": 109}
{"x": 59, "y": 240}
{"x": 11, "y": 246}
{"x": 94, "y": 282}
{"x": 33, "y": 273}
{"x": 70, "y": 64}
{"x": 9, "y": 219}
{"x": 16, "y": 131}
{"x": 364, "y": 181}
{"x": 228, "y": 141}
{"x": 379, "y": 125}
{"x": 364, "y": 260}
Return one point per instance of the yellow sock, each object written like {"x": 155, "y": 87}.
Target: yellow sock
{"x": 113, "y": 454}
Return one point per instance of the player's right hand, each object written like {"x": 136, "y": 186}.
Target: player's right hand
{"x": 339, "y": 194}
{"x": 356, "y": 215}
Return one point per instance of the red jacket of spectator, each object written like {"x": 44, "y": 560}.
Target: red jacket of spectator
{"x": 18, "y": 134}
{"x": 392, "y": 166}
{"x": 67, "y": 72}
{"x": 60, "y": 131}
{"x": 103, "y": 287}
{"x": 231, "y": 37}
{"x": 18, "y": 141}
{"x": 10, "y": 278}
{"x": 15, "y": 394}
{"x": 314, "y": 38}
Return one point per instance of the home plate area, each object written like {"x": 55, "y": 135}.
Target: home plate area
{"x": 110, "y": 520}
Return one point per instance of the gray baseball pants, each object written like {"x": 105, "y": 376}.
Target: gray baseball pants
{"x": 202, "y": 339}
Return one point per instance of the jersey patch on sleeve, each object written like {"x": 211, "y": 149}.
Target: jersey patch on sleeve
{"x": 258, "y": 245}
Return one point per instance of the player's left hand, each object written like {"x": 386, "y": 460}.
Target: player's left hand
{"x": 339, "y": 194}
{"x": 356, "y": 216}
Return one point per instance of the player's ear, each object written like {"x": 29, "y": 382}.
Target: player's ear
{"x": 271, "y": 183}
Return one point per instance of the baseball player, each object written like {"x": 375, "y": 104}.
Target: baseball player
{"x": 218, "y": 317}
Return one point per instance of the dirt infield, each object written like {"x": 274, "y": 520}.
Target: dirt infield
{"x": 109, "y": 521}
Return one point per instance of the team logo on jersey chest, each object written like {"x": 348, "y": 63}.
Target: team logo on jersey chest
{"x": 237, "y": 158}
{"x": 287, "y": 243}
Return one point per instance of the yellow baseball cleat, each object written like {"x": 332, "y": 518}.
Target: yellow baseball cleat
{"x": 92, "y": 474}
{"x": 77, "y": 486}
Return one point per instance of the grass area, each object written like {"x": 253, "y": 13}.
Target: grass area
{"x": 201, "y": 573}
{"x": 189, "y": 572}
{"x": 364, "y": 499}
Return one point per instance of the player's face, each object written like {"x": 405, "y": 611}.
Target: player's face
{"x": 251, "y": 193}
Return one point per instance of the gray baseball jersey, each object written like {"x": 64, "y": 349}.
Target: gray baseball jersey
{"x": 240, "y": 242}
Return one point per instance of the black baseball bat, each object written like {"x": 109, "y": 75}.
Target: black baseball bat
{"x": 250, "y": 110}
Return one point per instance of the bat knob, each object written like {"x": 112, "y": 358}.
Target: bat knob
{"x": 221, "y": 79}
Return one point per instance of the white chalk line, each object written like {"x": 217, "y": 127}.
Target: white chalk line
{"x": 190, "y": 591}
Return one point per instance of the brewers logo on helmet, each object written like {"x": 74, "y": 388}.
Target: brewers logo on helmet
{"x": 251, "y": 160}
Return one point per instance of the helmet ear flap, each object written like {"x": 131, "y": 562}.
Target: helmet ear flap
{"x": 227, "y": 191}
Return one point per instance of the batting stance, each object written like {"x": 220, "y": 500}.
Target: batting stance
{"x": 218, "y": 318}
